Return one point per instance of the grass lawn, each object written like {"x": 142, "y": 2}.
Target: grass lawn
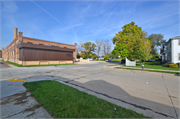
{"x": 149, "y": 70}
{"x": 115, "y": 60}
{"x": 155, "y": 65}
{"x": 18, "y": 65}
{"x": 113, "y": 65}
{"x": 98, "y": 60}
{"x": 63, "y": 101}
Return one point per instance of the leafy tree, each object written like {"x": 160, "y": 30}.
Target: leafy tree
{"x": 112, "y": 55}
{"x": 106, "y": 56}
{"x": 147, "y": 49}
{"x": 157, "y": 39}
{"x": 132, "y": 43}
{"x": 78, "y": 55}
{"x": 88, "y": 49}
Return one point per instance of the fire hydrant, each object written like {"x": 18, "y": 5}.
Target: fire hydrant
{"x": 142, "y": 67}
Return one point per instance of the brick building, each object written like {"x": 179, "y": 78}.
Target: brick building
{"x": 31, "y": 51}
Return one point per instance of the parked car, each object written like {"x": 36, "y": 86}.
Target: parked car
{"x": 108, "y": 60}
{"x": 123, "y": 61}
{"x": 151, "y": 61}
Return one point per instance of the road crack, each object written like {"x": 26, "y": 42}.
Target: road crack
{"x": 170, "y": 96}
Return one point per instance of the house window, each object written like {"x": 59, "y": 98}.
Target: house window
{"x": 179, "y": 56}
{"x": 179, "y": 41}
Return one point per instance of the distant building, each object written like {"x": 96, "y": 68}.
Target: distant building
{"x": 31, "y": 51}
{"x": 170, "y": 50}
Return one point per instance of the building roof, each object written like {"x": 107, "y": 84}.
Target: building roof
{"x": 35, "y": 46}
{"x": 177, "y": 37}
{"x": 174, "y": 38}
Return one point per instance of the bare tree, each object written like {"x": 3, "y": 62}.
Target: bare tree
{"x": 109, "y": 45}
{"x": 79, "y": 47}
{"x": 106, "y": 47}
{"x": 99, "y": 45}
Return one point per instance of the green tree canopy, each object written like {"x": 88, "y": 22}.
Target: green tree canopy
{"x": 88, "y": 49}
{"x": 157, "y": 39}
{"x": 132, "y": 43}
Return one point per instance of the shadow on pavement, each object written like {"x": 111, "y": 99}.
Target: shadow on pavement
{"x": 177, "y": 74}
{"x": 114, "y": 94}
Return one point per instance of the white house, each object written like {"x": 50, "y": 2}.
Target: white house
{"x": 170, "y": 50}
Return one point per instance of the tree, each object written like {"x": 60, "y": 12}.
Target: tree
{"x": 88, "y": 49}
{"x": 112, "y": 55}
{"x": 157, "y": 40}
{"x": 109, "y": 45}
{"x": 132, "y": 43}
{"x": 79, "y": 47}
{"x": 106, "y": 56}
{"x": 147, "y": 47}
{"x": 99, "y": 45}
{"x": 78, "y": 55}
{"x": 106, "y": 47}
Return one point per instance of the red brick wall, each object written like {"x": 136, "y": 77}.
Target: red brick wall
{"x": 11, "y": 53}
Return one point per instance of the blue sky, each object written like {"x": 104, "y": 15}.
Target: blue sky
{"x": 82, "y": 21}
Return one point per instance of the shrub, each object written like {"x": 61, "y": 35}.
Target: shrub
{"x": 178, "y": 64}
{"x": 166, "y": 64}
{"x": 173, "y": 65}
{"x": 101, "y": 59}
{"x": 106, "y": 57}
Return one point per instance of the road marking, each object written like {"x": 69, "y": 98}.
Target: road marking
{"x": 15, "y": 80}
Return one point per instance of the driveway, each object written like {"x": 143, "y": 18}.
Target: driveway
{"x": 149, "y": 93}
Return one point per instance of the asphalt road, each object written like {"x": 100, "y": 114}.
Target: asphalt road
{"x": 3, "y": 65}
{"x": 152, "y": 94}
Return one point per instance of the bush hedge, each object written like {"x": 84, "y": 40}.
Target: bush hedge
{"x": 167, "y": 64}
{"x": 178, "y": 64}
{"x": 173, "y": 65}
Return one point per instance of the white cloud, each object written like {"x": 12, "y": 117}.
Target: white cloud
{"x": 46, "y": 12}
{"x": 9, "y": 6}
{"x": 9, "y": 21}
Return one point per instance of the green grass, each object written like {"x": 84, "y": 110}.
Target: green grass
{"x": 18, "y": 65}
{"x": 63, "y": 101}
{"x": 2, "y": 60}
{"x": 113, "y": 65}
{"x": 155, "y": 65}
{"x": 115, "y": 60}
{"x": 15, "y": 64}
{"x": 149, "y": 70}
{"x": 48, "y": 65}
{"x": 98, "y": 60}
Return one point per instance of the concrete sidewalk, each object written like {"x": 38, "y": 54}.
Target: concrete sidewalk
{"x": 140, "y": 68}
{"x": 17, "y": 102}
{"x": 152, "y": 94}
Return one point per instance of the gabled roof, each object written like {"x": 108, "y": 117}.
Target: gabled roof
{"x": 177, "y": 37}
{"x": 174, "y": 38}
